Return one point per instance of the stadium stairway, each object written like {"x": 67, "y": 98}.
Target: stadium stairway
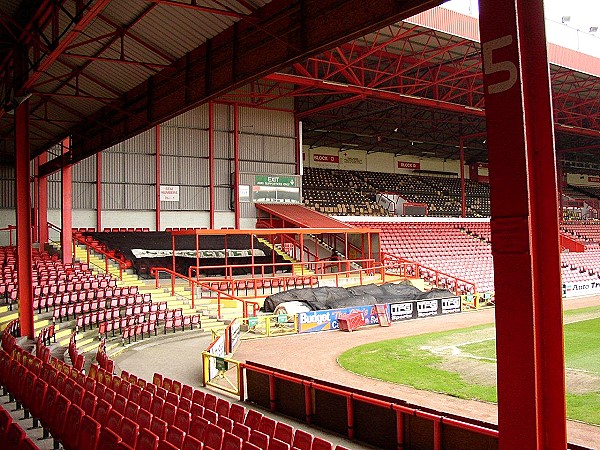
{"x": 181, "y": 299}
{"x": 297, "y": 268}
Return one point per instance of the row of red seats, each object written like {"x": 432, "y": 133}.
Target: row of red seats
{"x": 102, "y": 357}
{"x": 252, "y": 427}
{"x": 171, "y": 324}
{"x": 106, "y": 411}
{"x": 140, "y": 302}
{"x": 77, "y": 359}
{"x": 93, "y": 289}
{"x": 12, "y": 436}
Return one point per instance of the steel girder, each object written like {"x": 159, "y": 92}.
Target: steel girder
{"x": 409, "y": 64}
{"x": 289, "y": 29}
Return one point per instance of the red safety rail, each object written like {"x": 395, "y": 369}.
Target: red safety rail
{"x": 108, "y": 256}
{"x": 401, "y": 410}
{"x": 249, "y": 307}
{"x": 405, "y": 267}
{"x": 10, "y": 229}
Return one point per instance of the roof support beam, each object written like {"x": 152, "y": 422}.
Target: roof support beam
{"x": 277, "y": 35}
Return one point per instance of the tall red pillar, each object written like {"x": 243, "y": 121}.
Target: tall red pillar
{"x": 66, "y": 239}
{"x": 524, "y": 223}
{"x": 157, "y": 173}
{"x": 23, "y": 202}
{"x": 99, "y": 192}
{"x": 42, "y": 205}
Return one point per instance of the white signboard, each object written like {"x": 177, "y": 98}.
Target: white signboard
{"x": 581, "y": 288}
{"x": 169, "y": 193}
{"x": 217, "y": 349}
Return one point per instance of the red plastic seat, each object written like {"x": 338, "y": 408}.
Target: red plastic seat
{"x": 210, "y": 415}
{"x": 159, "y": 427}
{"x": 226, "y": 423}
{"x": 182, "y": 420}
{"x": 260, "y": 439}
{"x": 101, "y": 412}
{"x": 198, "y": 397}
{"x": 146, "y": 440}
{"x": 113, "y": 421}
{"x": 131, "y": 410}
{"x": 157, "y": 406}
{"x": 164, "y": 445}
{"x": 276, "y": 444}
{"x": 231, "y": 442}
{"x": 237, "y": 413}
{"x": 302, "y": 440}
{"x": 267, "y": 426}
{"x": 89, "y": 432}
{"x": 222, "y": 407}
{"x": 284, "y": 432}
{"x": 247, "y": 445}
{"x": 175, "y": 436}
{"x": 210, "y": 402}
{"x": 129, "y": 431}
{"x": 59, "y": 416}
{"x": 168, "y": 413}
{"x": 214, "y": 436}
{"x": 14, "y": 436}
{"x": 253, "y": 419}
{"x": 191, "y": 443}
{"x": 321, "y": 444}
{"x": 144, "y": 419}
{"x": 198, "y": 427}
{"x": 241, "y": 430}
{"x": 70, "y": 434}
{"x": 108, "y": 439}
{"x": 145, "y": 400}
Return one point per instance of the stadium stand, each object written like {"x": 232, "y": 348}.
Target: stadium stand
{"x": 463, "y": 249}
{"x": 126, "y": 412}
{"x": 342, "y": 192}
{"x": 339, "y": 193}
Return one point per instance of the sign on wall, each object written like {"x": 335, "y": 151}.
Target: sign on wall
{"x": 320, "y": 158}
{"x": 594, "y": 179}
{"x": 353, "y": 160}
{"x": 325, "y": 320}
{"x": 409, "y": 165}
{"x": 275, "y": 180}
{"x": 169, "y": 193}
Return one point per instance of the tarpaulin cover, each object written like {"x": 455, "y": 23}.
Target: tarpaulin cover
{"x": 335, "y": 297}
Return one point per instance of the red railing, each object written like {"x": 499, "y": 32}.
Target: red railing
{"x": 108, "y": 256}
{"x": 320, "y": 269}
{"x": 193, "y": 284}
{"x": 311, "y": 385}
{"x": 10, "y": 229}
{"x": 405, "y": 267}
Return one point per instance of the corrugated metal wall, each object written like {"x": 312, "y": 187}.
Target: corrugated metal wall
{"x": 266, "y": 141}
{"x": 7, "y": 187}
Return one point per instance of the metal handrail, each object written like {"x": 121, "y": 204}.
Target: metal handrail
{"x": 194, "y": 283}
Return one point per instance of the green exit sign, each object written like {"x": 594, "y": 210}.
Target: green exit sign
{"x": 275, "y": 180}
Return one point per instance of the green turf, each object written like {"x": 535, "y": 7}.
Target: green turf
{"x": 410, "y": 361}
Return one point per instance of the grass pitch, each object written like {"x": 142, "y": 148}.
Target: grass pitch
{"x": 461, "y": 363}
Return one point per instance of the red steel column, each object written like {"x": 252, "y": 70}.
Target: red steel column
{"x": 42, "y": 206}
{"x": 157, "y": 175}
{"x": 23, "y": 208}
{"x": 463, "y": 196}
{"x": 524, "y": 223}
{"x": 298, "y": 143}
{"x": 99, "y": 191}
{"x": 211, "y": 161}
{"x": 236, "y": 164}
{"x": 35, "y": 232}
{"x": 66, "y": 183}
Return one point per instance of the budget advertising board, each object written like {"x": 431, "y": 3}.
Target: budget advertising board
{"x": 326, "y": 320}
{"x": 581, "y": 288}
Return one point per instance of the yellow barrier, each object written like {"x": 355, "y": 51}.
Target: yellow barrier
{"x": 267, "y": 326}
{"x": 476, "y": 301}
{"x": 226, "y": 376}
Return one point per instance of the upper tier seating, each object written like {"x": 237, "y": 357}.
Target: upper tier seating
{"x": 339, "y": 193}
{"x": 463, "y": 250}
{"x": 347, "y": 192}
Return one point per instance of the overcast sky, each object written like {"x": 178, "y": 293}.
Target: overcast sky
{"x": 584, "y": 14}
